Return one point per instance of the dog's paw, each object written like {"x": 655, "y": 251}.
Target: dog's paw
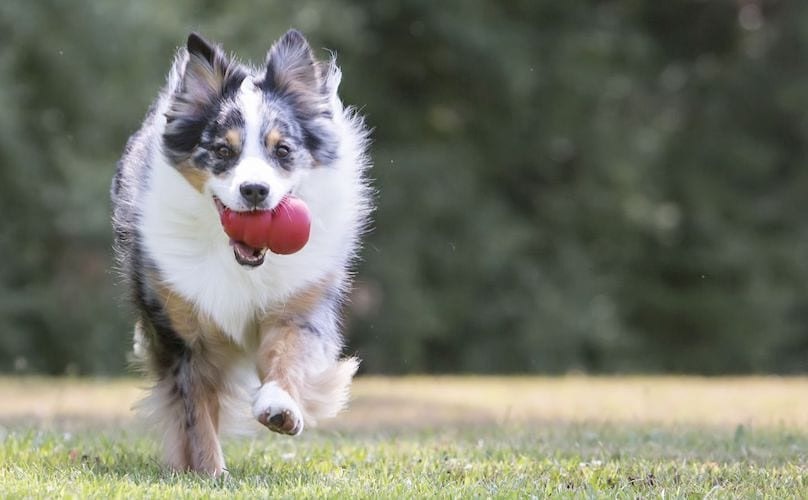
{"x": 276, "y": 410}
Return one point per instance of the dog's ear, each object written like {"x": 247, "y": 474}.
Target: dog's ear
{"x": 201, "y": 48}
{"x": 293, "y": 74}
{"x": 291, "y": 68}
{"x": 207, "y": 77}
{"x": 208, "y": 73}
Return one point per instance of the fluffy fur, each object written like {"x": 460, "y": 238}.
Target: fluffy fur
{"x": 227, "y": 331}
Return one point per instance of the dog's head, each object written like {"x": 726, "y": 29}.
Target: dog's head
{"x": 244, "y": 137}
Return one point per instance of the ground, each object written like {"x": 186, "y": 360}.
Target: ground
{"x": 453, "y": 437}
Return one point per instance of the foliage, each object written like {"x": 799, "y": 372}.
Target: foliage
{"x": 600, "y": 186}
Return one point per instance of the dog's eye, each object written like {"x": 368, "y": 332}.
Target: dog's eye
{"x": 224, "y": 152}
{"x": 282, "y": 151}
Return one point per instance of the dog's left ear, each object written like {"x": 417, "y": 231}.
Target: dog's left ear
{"x": 293, "y": 74}
{"x": 291, "y": 68}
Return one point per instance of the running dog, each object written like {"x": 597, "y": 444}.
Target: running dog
{"x": 221, "y": 322}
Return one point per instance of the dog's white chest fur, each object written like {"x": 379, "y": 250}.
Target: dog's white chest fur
{"x": 183, "y": 236}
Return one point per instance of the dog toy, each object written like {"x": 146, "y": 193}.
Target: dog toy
{"x": 284, "y": 229}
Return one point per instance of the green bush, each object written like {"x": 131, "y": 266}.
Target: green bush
{"x": 599, "y": 186}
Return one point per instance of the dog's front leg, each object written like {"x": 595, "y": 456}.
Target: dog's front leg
{"x": 298, "y": 362}
{"x": 277, "y": 403}
{"x": 302, "y": 377}
{"x": 184, "y": 402}
{"x": 190, "y": 416}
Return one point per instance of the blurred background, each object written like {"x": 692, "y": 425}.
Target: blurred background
{"x": 580, "y": 186}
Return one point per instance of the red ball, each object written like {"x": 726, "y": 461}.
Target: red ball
{"x": 284, "y": 230}
{"x": 291, "y": 226}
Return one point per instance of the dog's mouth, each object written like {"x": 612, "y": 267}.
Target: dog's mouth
{"x": 245, "y": 254}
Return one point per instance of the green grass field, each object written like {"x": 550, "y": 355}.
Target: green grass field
{"x": 435, "y": 437}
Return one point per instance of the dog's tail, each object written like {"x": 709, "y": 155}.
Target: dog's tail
{"x": 327, "y": 393}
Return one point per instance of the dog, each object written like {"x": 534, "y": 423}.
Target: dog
{"x": 226, "y": 330}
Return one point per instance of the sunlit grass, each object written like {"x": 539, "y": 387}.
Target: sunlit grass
{"x": 450, "y": 437}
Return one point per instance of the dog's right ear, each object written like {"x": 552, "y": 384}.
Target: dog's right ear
{"x": 207, "y": 77}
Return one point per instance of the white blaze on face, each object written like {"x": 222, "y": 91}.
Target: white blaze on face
{"x": 253, "y": 165}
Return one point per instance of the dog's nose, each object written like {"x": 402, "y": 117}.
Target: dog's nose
{"x": 254, "y": 193}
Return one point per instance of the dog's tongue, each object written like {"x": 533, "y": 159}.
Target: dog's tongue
{"x": 284, "y": 230}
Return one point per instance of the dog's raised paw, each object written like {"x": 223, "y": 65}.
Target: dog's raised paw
{"x": 274, "y": 408}
{"x": 284, "y": 422}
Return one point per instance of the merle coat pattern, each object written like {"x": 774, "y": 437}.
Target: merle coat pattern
{"x": 226, "y": 330}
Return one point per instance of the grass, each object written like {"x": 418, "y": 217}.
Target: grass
{"x": 435, "y": 437}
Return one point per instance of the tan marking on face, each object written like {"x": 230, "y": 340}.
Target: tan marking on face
{"x": 196, "y": 177}
{"x": 233, "y": 138}
{"x": 273, "y": 138}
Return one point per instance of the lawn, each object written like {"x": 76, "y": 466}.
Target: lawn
{"x": 447, "y": 437}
